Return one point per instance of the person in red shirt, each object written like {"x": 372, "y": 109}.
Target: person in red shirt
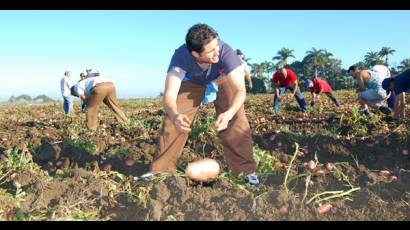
{"x": 285, "y": 79}
{"x": 318, "y": 86}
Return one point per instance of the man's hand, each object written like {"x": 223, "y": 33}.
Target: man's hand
{"x": 318, "y": 99}
{"x": 251, "y": 85}
{"x": 290, "y": 97}
{"x": 388, "y": 119}
{"x": 85, "y": 99}
{"x": 181, "y": 123}
{"x": 395, "y": 116}
{"x": 222, "y": 121}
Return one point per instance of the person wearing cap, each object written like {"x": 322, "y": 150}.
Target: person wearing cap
{"x": 245, "y": 67}
{"x": 89, "y": 73}
{"x": 83, "y": 104}
{"x": 203, "y": 59}
{"x": 317, "y": 86}
{"x": 94, "y": 91}
{"x": 370, "y": 91}
{"x": 65, "y": 84}
{"x": 398, "y": 85}
{"x": 285, "y": 79}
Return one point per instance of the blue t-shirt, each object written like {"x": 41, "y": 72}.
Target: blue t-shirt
{"x": 191, "y": 71}
{"x": 402, "y": 82}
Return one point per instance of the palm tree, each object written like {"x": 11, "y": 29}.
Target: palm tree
{"x": 283, "y": 55}
{"x": 247, "y": 60}
{"x": 327, "y": 54}
{"x": 269, "y": 67}
{"x": 361, "y": 65}
{"x": 404, "y": 65}
{"x": 372, "y": 58}
{"x": 328, "y": 62}
{"x": 385, "y": 52}
{"x": 257, "y": 70}
{"x": 316, "y": 57}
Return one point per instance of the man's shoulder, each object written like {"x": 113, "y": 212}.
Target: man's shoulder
{"x": 182, "y": 50}
{"x": 66, "y": 80}
{"x": 289, "y": 70}
{"x": 181, "y": 56}
{"x": 403, "y": 77}
{"x": 225, "y": 48}
{"x": 291, "y": 73}
{"x": 365, "y": 72}
{"x": 399, "y": 88}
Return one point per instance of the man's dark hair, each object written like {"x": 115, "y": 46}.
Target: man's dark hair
{"x": 239, "y": 52}
{"x": 353, "y": 68}
{"x": 199, "y": 35}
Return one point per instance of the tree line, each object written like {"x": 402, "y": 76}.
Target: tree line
{"x": 27, "y": 99}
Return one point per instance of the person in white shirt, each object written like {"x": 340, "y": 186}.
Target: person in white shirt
{"x": 370, "y": 91}
{"x": 83, "y": 105}
{"x": 89, "y": 73}
{"x": 65, "y": 84}
{"x": 245, "y": 67}
{"x": 93, "y": 91}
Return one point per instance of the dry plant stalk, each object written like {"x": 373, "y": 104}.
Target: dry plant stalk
{"x": 289, "y": 167}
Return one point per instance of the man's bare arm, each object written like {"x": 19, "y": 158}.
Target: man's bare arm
{"x": 296, "y": 88}
{"x": 362, "y": 86}
{"x": 399, "y": 103}
{"x": 248, "y": 78}
{"x": 172, "y": 86}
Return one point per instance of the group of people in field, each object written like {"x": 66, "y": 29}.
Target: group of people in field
{"x": 374, "y": 89}
{"x": 92, "y": 89}
{"x": 205, "y": 69}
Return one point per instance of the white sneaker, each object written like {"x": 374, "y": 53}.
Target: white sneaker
{"x": 146, "y": 176}
{"x": 252, "y": 179}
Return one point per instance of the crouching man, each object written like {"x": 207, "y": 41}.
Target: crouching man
{"x": 205, "y": 59}
{"x": 398, "y": 85}
{"x": 94, "y": 91}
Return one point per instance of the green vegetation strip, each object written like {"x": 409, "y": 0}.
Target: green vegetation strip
{"x": 336, "y": 194}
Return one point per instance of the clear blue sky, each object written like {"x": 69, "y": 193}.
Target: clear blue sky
{"x": 133, "y": 48}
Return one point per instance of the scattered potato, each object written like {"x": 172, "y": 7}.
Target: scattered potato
{"x": 323, "y": 209}
{"x": 202, "y": 170}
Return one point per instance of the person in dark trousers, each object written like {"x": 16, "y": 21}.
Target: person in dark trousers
{"x": 399, "y": 85}
{"x": 285, "y": 79}
{"x": 83, "y": 104}
{"x": 317, "y": 86}
{"x": 65, "y": 84}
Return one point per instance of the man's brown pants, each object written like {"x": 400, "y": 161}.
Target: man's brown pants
{"x": 103, "y": 92}
{"x": 236, "y": 139}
